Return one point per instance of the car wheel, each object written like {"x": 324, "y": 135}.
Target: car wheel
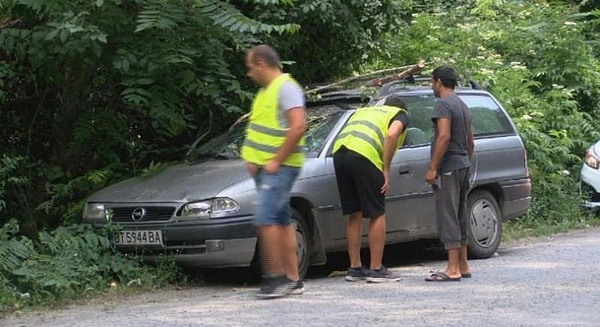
{"x": 303, "y": 248}
{"x": 485, "y": 224}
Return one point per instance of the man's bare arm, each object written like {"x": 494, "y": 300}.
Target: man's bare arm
{"x": 297, "y": 127}
{"x": 442, "y": 141}
{"x": 390, "y": 142}
{"x": 389, "y": 149}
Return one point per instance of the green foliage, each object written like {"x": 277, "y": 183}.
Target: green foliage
{"x": 105, "y": 86}
{"x": 68, "y": 263}
{"x": 335, "y": 37}
{"x": 153, "y": 169}
{"x": 229, "y": 17}
{"x": 9, "y": 178}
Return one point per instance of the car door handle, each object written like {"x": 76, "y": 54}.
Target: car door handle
{"x": 402, "y": 171}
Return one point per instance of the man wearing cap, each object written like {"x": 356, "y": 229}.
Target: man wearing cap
{"x": 448, "y": 173}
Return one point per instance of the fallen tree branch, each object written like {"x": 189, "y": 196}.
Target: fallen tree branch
{"x": 411, "y": 70}
{"x": 357, "y": 78}
{"x": 404, "y": 71}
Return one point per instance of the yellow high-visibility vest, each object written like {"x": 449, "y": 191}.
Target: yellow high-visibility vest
{"x": 264, "y": 134}
{"x": 365, "y": 132}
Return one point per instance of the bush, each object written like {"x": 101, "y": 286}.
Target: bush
{"x": 69, "y": 263}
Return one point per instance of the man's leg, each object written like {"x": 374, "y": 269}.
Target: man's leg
{"x": 453, "y": 270}
{"x": 463, "y": 216}
{"x": 463, "y": 265}
{"x": 269, "y": 237}
{"x": 377, "y": 272}
{"x": 290, "y": 256}
{"x": 353, "y": 235}
{"x": 275, "y": 283}
{"x": 273, "y": 217}
{"x": 448, "y": 225}
{"x": 376, "y": 241}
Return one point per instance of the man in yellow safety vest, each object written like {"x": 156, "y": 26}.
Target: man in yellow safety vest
{"x": 362, "y": 157}
{"x": 273, "y": 151}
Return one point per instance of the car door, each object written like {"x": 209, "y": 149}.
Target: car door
{"x": 419, "y": 133}
{"x": 401, "y": 199}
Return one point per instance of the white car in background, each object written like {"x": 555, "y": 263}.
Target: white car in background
{"x": 590, "y": 176}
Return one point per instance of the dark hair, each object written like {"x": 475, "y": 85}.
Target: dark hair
{"x": 265, "y": 54}
{"x": 447, "y": 75}
{"x": 395, "y": 101}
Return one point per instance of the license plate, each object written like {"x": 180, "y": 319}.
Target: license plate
{"x": 139, "y": 237}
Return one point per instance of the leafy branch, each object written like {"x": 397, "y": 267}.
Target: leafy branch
{"x": 229, "y": 17}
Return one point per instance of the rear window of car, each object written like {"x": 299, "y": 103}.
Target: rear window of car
{"x": 488, "y": 118}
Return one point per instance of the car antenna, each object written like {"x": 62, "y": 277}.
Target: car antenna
{"x": 474, "y": 85}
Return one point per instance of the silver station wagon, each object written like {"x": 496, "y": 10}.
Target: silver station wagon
{"x": 200, "y": 211}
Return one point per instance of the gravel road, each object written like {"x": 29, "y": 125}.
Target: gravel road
{"x": 550, "y": 281}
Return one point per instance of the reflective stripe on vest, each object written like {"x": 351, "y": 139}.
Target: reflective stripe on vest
{"x": 264, "y": 134}
{"x": 377, "y": 145}
{"x": 365, "y": 131}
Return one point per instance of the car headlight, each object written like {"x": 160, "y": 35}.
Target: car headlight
{"x": 591, "y": 160}
{"x": 213, "y": 208}
{"x": 94, "y": 211}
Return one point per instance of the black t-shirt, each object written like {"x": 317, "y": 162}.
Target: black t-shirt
{"x": 403, "y": 117}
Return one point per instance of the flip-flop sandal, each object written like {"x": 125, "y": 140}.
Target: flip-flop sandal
{"x": 468, "y": 275}
{"x": 441, "y": 277}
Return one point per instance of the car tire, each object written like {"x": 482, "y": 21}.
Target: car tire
{"x": 304, "y": 245}
{"x": 485, "y": 224}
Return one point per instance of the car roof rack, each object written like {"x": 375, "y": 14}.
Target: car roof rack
{"x": 389, "y": 87}
{"x": 418, "y": 81}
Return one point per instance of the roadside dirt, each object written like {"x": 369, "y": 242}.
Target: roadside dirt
{"x": 546, "y": 281}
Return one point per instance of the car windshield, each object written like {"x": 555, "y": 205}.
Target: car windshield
{"x": 320, "y": 122}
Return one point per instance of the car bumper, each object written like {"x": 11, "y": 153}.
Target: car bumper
{"x": 203, "y": 243}
{"x": 516, "y": 197}
{"x": 590, "y": 180}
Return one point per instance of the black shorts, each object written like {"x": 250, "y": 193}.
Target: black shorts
{"x": 359, "y": 184}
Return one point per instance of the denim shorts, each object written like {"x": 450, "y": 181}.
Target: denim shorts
{"x": 273, "y": 204}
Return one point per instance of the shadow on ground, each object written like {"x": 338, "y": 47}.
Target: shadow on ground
{"x": 396, "y": 255}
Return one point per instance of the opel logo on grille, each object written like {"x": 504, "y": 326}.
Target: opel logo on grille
{"x": 138, "y": 214}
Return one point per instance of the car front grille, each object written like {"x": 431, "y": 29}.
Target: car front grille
{"x": 124, "y": 214}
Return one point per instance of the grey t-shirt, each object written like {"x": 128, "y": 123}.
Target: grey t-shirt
{"x": 452, "y": 107}
{"x": 290, "y": 96}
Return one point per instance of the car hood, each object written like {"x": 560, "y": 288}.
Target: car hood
{"x": 181, "y": 182}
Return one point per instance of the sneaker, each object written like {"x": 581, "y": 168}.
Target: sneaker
{"x": 355, "y": 274}
{"x": 298, "y": 287}
{"x": 382, "y": 275}
{"x": 274, "y": 287}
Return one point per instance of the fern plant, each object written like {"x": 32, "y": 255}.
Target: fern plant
{"x": 227, "y": 16}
